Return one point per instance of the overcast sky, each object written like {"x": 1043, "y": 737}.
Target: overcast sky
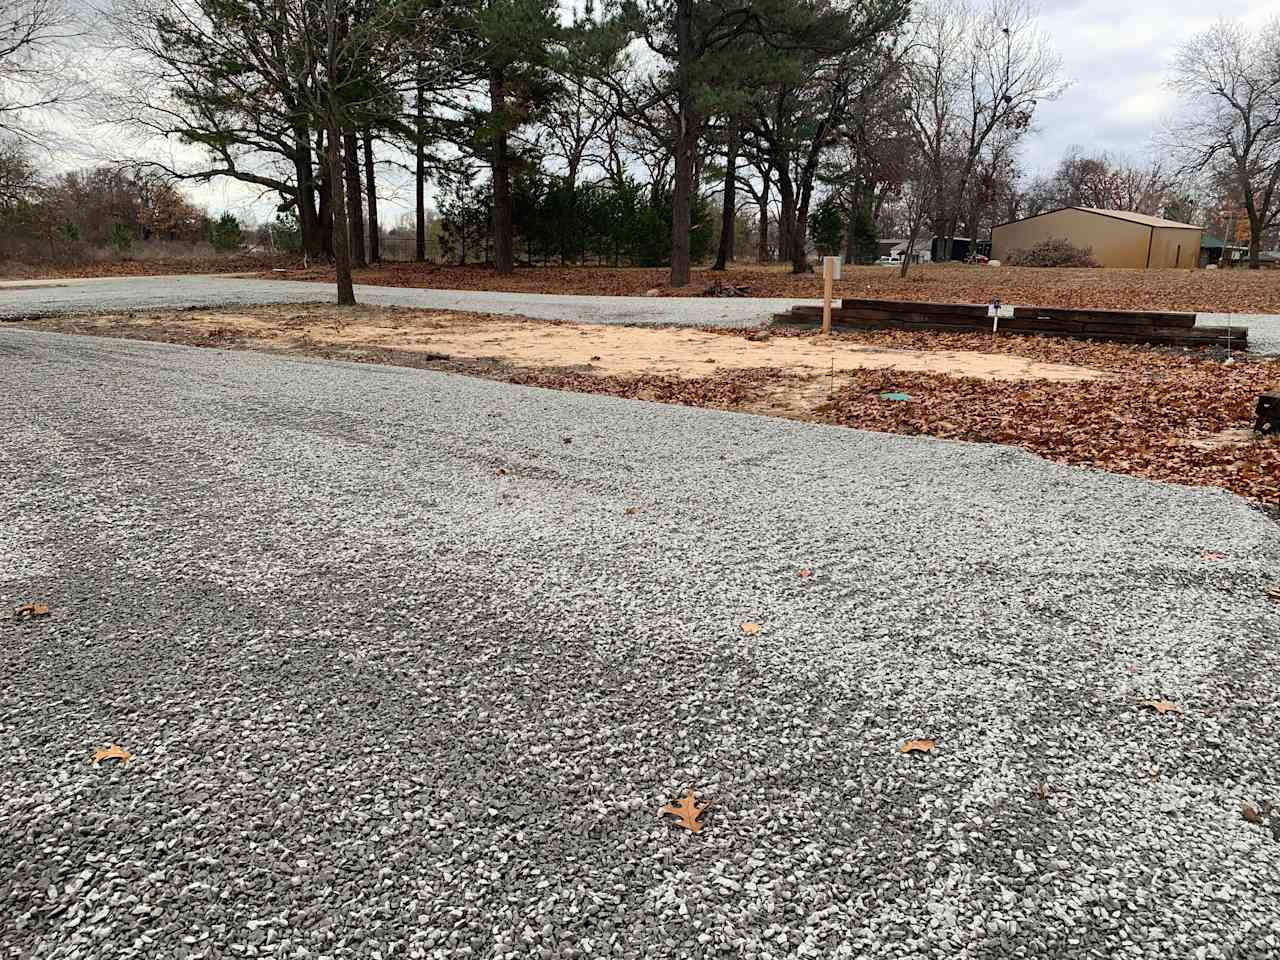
{"x": 1115, "y": 52}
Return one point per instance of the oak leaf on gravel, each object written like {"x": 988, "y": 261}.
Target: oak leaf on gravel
{"x": 687, "y": 810}
{"x": 113, "y": 752}
{"x": 918, "y": 746}
{"x": 751, "y": 629}
{"x": 30, "y": 610}
{"x": 1250, "y": 813}
{"x": 1161, "y": 706}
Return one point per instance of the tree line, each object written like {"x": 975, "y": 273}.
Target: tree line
{"x": 603, "y": 136}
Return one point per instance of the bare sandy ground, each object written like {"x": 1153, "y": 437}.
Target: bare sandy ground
{"x": 606, "y": 350}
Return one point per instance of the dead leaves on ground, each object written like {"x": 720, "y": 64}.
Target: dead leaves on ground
{"x": 918, "y": 746}
{"x": 1258, "y": 816}
{"x": 113, "y": 752}
{"x": 1252, "y": 814}
{"x": 1240, "y": 291}
{"x": 29, "y": 611}
{"x": 751, "y": 629}
{"x": 1158, "y": 415}
{"x": 687, "y": 812}
{"x": 1161, "y": 706}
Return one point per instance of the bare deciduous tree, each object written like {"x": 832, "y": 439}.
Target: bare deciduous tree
{"x": 975, "y": 68}
{"x": 35, "y": 72}
{"x": 1229, "y": 80}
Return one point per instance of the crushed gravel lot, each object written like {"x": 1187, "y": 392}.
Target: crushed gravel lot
{"x": 409, "y": 661}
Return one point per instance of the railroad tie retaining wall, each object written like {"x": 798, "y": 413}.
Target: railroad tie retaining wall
{"x": 1122, "y": 326}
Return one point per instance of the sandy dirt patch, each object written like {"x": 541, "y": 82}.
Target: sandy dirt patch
{"x": 608, "y": 350}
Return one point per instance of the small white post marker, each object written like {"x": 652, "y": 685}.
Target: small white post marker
{"x": 995, "y": 311}
{"x": 831, "y": 267}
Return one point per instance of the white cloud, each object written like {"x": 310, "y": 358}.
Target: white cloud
{"x": 1117, "y": 54}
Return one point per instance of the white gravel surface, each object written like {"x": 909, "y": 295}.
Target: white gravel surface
{"x": 404, "y": 678}
{"x": 28, "y": 298}
{"x": 158, "y": 293}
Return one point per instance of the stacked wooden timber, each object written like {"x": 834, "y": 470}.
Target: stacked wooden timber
{"x": 1082, "y": 323}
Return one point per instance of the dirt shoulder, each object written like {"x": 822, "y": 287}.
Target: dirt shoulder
{"x": 1182, "y": 418}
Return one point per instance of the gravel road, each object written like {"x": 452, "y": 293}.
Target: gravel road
{"x": 157, "y": 293}
{"x": 409, "y": 661}
{"x": 42, "y": 297}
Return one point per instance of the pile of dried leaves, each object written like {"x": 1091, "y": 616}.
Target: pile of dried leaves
{"x": 1159, "y": 415}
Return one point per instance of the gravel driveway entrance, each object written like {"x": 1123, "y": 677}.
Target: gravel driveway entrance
{"x": 408, "y": 663}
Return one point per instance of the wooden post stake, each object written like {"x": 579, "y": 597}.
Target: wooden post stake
{"x": 830, "y": 267}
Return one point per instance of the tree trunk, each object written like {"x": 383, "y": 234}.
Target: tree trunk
{"x": 341, "y": 237}
{"x": 686, "y": 143}
{"x": 355, "y": 209}
{"x": 420, "y": 173}
{"x": 786, "y": 216}
{"x": 503, "y": 225}
{"x": 762, "y": 246}
{"x": 799, "y": 247}
{"x": 916, "y": 220}
{"x": 324, "y": 212}
{"x": 308, "y": 220}
{"x": 375, "y": 241}
{"x": 728, "y": 215}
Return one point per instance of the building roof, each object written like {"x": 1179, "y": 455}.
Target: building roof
{"x": 1141, "y": 218}
{"x": 1129, "y": 215}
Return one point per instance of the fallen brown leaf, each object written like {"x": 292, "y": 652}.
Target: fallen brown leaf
{"x": 1213, "y": 555}
{"x": 1042, "y": 791}
{"x": 1250, "y": 814}
{"x": 112, "y": 752}
{"x": 806, "y": 572}
{"x": 1273, "y": 593}
{"x": 751, "y": 629}
{"x": 1161, "y": 706}
{"x": 630, "y": 510}
{"x": 30, "y": 610}
{"x": 918, "y": 746}
{"x": 501, "y": 471}
{"x": 687, "y": 811}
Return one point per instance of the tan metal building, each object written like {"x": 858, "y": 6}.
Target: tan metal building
{"x": 1118, "y": 238}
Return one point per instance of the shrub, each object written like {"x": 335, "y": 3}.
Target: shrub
{"x": 1052, "y": 253}
{"x": 121, "y": 238}
{"x": 225, "y": 234}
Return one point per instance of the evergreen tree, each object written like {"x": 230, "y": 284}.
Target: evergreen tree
{"x": 826, "y": 226}
{"x": 225, "y": 234}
